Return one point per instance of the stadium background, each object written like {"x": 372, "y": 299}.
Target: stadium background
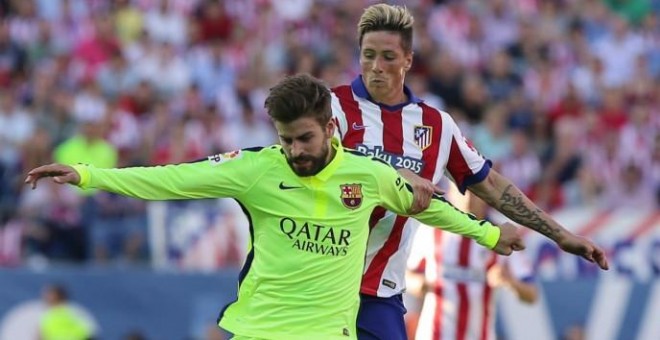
{"x": 563, "y": 96}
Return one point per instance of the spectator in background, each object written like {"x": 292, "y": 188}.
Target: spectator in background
{"x": 445, "y": 80}
{"x": 613, "y": 114}
{"x": 89, "y": 104}
{"x": 128, "y": 21}
{"x": 88, "y": 146}
{"x": 634, "y": 11}
{"x": 522, "y": 164}
{"x": 214, "y": 23}
{"x": 210, "y": 72}
{"x": 16, "y": 127}
{"x": 500, "y": 78}
{"x": 164, "y": 69}
{"x": 165, "y": 24}
{"x": 633, "y": 190}
{"x": 50, "y": 220}
{"x": 13, "y": 58}
{"x": 619, "y": 50}
{"x": 60, "y": 321}
{"x": 119, "y": 229}
{"x": 116, "y": 77}
{"x": 491, "y": 136}
{"x": 95, "y": 49}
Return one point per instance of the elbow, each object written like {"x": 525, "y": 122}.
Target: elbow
{"x": 487, "y": 189}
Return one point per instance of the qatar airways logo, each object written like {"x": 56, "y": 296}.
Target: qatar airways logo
{"x": 413, "y": 164}
{"x": 316, "y": 238}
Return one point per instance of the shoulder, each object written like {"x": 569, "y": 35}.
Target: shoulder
{"x": 260, "y": 155}
{"x": 434, "y": 111}
{"x": 342, "y": 91}
{"x": 437, "y": 117}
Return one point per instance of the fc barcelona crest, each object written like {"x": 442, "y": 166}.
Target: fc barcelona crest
{"x": 351, "y": 195}
{"x": 423, "y": 136}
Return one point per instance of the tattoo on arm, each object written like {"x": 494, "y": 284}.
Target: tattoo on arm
{"x": 513, "y": 205}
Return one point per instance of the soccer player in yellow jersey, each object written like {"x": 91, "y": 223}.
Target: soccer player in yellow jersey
{"x": 308, "y": 201}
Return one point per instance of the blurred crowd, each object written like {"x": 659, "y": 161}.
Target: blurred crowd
{"x": 562, "y": 95}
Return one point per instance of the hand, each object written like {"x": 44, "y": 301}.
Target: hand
{"x": 499, "y": 276}
{"x": 510, "y": 240}
{"x": 423, "y": 190}
{"x": 61, "y": 174}
{"x": 584, "y": 248}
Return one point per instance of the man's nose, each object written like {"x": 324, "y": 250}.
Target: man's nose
{"x": 376, "y": 66}
{"x": 296, "y": 149}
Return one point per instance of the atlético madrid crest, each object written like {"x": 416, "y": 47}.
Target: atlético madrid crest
{"x": 351, "y": 195}
{"x": 423, "y": 136}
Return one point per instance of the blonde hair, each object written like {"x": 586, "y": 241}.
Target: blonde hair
{"x": 384, "y": 17}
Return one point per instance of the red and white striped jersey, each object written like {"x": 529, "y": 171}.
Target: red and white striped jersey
{"x": 459, "y": 304}
{"x": 412, "y": 135}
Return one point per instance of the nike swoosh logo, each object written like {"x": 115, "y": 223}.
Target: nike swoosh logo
{"x": 358, "y": 127}
{"x": 286, "y": 187}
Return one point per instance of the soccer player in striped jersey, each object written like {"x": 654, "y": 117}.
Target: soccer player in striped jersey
{"x": 308, "y": 202}
{"x": 378, "y": 115}
{"x": 457, "y": 281}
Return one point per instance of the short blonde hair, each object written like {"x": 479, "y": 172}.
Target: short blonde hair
{"x": 384, "y": 17}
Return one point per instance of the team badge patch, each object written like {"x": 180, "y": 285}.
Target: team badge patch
{"x": 224, "y": 157}
{"x": 423, "y": 136}
{"x": 351, "y": 195}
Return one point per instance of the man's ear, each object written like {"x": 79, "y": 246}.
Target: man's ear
{"x": 330, "y": 127}
{"x": 409, "y": 61}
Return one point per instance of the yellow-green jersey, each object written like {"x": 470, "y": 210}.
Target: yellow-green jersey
{"x": 308, "y": 234}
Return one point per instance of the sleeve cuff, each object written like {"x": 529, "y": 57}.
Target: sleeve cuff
{"x": 84, "y": 174}
{"x": 476, "y": 178}
{"x": 490, "y": 237}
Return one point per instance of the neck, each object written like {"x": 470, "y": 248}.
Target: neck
{"x": 391, "y": 99}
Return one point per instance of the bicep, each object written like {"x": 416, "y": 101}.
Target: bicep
{"x": 465, "y": 164}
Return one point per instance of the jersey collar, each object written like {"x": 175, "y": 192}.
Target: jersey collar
{"x": 360, "y": 90}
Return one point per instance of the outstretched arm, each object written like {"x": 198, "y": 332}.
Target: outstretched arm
{"x": 501, "y": 194}
{"x": 396, "y": 195}
{"x": 203, "y": 179}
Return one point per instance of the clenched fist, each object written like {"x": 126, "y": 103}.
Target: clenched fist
{"x": 510, "y": 240}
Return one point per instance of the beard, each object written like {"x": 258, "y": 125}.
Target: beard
{"x": 307, "y": 165}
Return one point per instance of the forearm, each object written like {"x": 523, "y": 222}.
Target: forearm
{"x": 441, "y": 214}
{"x": 505, "y": 197}
{"x": 149, "y": 183}
{"x": 415, "y": 284}
{"x": 526, "y": 292}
